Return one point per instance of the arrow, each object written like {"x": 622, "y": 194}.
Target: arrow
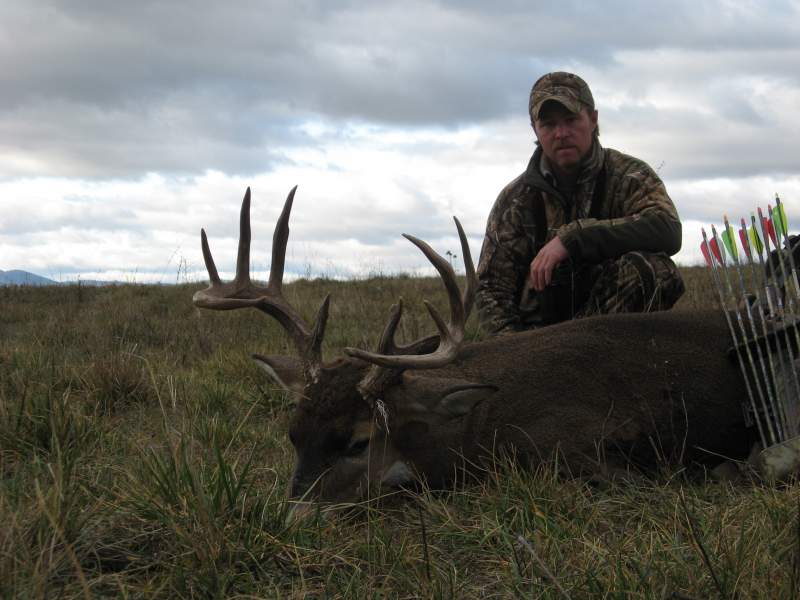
{"x": 766, "y": 228}
{"x": 706, "y": 253}
{"x": 755, "y": 239}
{"x": 743, "y": 239}
{"x": 779, "y": 217}
{"x": 786, "y": 412}
{"x": 729, "y": 239}
{"x": 780, "y": 411}
{"x": 777, "y": 434}
{"x": 790, "y": 426}
{"x": 779, "y": 314}
{"x": 719, "y": 252}
{"x": 784, "y": 228}
{"x": 760, "y": 307}
{"x": 742, "y": 348}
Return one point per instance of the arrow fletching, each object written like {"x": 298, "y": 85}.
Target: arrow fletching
{"x": 729, "y": 239}
{"x": 770, "y": 227}
{"x": 730, "y": 243}
{"x": 743, "y": 239}
{"x": 755, "y": 239}
{"x": 765, "y": 226}
{"x": 781, "y": 216}
{"x": 706, "y": 254}
{"x": 719, "y": 253}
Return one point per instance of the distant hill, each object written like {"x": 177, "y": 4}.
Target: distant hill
{"x": 17, "y": 277}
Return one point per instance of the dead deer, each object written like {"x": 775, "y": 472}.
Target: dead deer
{"x": 617, "y": 390}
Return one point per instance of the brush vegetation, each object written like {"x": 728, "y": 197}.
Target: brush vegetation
{"x": 143, "y": 454}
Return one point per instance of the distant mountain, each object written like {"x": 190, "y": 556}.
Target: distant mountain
{"x": 17, "y": 277}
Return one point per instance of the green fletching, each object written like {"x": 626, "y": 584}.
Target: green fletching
{"x": 730, "y": 242}
{"x": 755, "y": 240}
{"x": 779, "y": 220}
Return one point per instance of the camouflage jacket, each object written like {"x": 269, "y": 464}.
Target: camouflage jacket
{"x": 632, "y": 212}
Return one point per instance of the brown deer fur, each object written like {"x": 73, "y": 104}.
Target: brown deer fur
{"x": 633, "y": 389}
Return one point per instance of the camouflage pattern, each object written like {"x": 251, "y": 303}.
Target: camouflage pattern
{"x": 565, "y": 88}
{"x": 773, "y": 268}
{"x": 636, "y": 282}
{"x": 617, "y": 261}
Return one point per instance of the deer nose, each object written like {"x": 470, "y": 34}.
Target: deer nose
{"x": 301, "y": 483}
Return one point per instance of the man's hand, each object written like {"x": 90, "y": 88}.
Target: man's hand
{"x": 541, "y": 271}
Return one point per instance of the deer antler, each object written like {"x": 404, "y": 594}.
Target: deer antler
{"x": 451, "y": 335}
{"x": 242, "y": 293}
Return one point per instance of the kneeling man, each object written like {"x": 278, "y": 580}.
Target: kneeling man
{"x": 585, "y": 230}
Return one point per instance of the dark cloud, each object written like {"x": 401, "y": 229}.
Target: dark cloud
{"x": 99, "y": 89}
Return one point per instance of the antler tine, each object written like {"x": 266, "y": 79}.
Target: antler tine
{"x": 445, "y": 335}
{"x": 468, "y": 298}
{"x": 450, "y": 335}
{"x": 386, "y": 344}
{"x": 318, "y": 333}
{"x": 279, "y": 240}
{"x": 213, "y": 276}
{"x": 448, "y": 278}
{"x": 243, "y": 255}
{"x": 242, "y": 292}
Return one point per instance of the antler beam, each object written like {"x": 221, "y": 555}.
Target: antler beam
{"x": 451, "y": 335}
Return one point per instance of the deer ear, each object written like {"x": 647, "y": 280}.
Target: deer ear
{"x": 461, "y": 400}
{"x": 435, "y": 400}
{"x": 286, "y": 371}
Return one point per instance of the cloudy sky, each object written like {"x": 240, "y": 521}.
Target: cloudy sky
{"x": 125, "y": 127}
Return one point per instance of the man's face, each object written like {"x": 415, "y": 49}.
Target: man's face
{"x": 565, "y": 137}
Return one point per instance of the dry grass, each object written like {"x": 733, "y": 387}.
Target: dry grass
{"x": 143, "y": 455}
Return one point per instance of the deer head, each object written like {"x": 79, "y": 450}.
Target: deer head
{"x": 348, "y": 430}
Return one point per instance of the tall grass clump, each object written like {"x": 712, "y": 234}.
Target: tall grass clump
{"x": 208, "y": 526}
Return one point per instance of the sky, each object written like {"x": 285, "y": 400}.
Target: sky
{"x": 125, "y": 127}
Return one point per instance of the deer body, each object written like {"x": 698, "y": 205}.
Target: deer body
{"x": 641, "y": 389}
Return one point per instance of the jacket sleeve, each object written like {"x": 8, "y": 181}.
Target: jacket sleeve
{"x": 502, "y": 268}
{"x": 647, "y": 221}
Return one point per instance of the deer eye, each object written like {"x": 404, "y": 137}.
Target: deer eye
{"x": 357, "y": 447}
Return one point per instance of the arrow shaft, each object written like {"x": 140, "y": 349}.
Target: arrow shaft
{"x": 765, "y": 332}
{"x": 779, "y": 412}
{"x": 765, "y": 395}
{"x": 788, "y": 414}
{"x": 741, "y": 348}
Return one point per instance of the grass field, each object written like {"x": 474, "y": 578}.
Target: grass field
{"x": 143, "y": 454}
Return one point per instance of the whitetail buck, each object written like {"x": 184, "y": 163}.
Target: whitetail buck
{"x": 618, "y": 390}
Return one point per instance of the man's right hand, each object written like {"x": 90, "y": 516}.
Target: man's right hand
{"x": 541, "y": 270}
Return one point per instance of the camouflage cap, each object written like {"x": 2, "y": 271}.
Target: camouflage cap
{"x": 565, "y": 88}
